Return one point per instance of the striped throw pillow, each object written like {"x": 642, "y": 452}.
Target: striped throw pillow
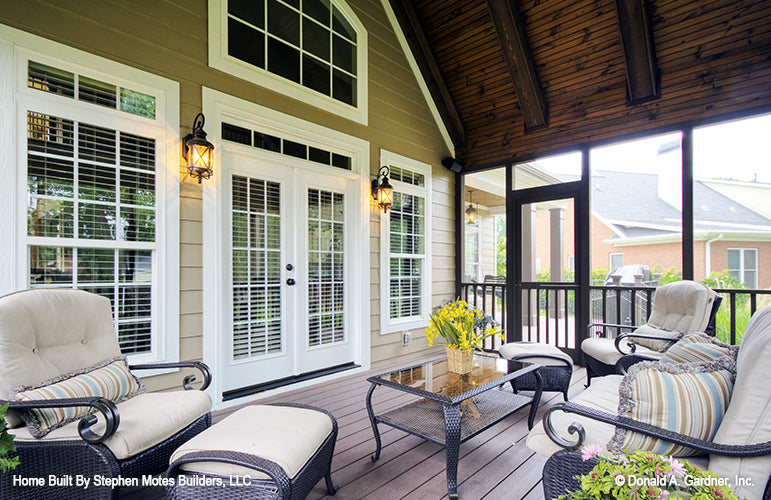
{"x": 687, "y": 398}
{"x": 698, "y": 348}
{"x": 110, "y": 379}
{"x": 655, "y": 344}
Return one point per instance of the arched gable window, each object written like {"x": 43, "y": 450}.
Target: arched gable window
{"x": 310, "y": 45}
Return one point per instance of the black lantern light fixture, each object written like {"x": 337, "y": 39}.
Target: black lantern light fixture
{"x": 198, "y": 151}
{"x": 471, "y": 212}
{"x": 382, "y": 192}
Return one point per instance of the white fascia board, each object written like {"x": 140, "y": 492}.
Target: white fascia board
{"x": 418, "y": 76}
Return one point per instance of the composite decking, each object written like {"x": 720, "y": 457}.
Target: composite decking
{"x": 495, "y": 464}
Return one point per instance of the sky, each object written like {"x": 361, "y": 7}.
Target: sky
{"x": 737, "y": 150}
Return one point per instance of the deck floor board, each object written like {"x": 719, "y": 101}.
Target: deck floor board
{"x": 495, "y": 464}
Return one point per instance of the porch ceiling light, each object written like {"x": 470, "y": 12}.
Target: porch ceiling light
{"x": 198, "y": 151}
{"x": 471, "y": 212}
{"x": 382, "y": 192}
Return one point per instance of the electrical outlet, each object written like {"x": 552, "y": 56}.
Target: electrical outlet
{"x": 406, "y": 338}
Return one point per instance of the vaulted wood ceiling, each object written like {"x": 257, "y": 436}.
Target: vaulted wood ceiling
{"x": 514, "y": 79}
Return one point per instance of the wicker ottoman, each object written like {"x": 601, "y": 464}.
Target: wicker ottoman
{"x": 556, "y": 366}
{"x": 262, "y": 451}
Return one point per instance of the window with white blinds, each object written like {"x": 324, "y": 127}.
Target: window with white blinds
{"x": 406, "y": 242}
{"x": 256, "y": 268}
{"x": 326, "y": 267}
{"x": 91, "y": 217}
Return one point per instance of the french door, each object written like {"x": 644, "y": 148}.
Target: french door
{"x": 287, "y": 271}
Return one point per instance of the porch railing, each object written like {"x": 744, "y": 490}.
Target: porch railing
{"x": 548, "y": 309}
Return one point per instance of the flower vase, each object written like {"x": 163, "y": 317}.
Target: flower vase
{"x": 459, "y": 360}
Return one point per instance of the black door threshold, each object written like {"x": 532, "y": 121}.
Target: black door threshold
{"x": 275, "y": 384}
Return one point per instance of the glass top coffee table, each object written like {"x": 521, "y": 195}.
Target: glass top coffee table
{"x": 453, "y": 408}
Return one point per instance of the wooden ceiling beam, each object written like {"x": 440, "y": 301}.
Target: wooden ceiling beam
{"x": 510, "y": 28}
{"x": 437, "y": 87}
{"x": 639, "y": 52}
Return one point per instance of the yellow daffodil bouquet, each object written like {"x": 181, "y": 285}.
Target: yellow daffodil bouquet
{"x": 460, "y": 326}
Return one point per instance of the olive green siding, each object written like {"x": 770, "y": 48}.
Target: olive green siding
{"x": 169, "y": 38}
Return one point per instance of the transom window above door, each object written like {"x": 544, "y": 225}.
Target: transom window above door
{"x": 316, "y": 44}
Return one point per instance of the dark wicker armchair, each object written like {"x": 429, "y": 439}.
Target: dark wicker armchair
{"x": 741, "y": 445}
{"x": 48, "y": 336}
{"x": 679, "y": 307}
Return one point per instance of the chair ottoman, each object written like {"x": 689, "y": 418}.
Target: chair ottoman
{"x": 262, "y": 451}
{"x": 556, "y": 366}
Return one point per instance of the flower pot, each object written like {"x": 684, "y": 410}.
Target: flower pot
{"x": 459, "y": 360}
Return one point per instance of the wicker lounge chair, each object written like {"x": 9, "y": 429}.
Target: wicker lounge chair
{"x": 678, "y": 308}
{"x": 741, "y": 446}
{"x": 54, "y": 336}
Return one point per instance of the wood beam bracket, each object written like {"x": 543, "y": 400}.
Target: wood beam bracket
{"x": 510, "y": 27}
{"x": 642, "y": 74}
{"x": 437, "y": 87}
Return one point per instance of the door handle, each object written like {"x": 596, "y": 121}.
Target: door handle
{"x": 290, "y": 281}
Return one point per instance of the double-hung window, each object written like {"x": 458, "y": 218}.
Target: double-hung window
{"x": 405, "y": 247}
{"x": 97, "y": 191}
{"x": 743, "y": 265}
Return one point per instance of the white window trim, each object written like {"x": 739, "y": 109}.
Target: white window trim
{"x": 219, "y": 107}
{"x": 742, "y": 268}
{"x": 221, "y": 60}
{"x": 387, "y": 325}
{"x": 16, "y": 47}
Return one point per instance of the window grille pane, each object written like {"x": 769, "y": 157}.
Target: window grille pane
{"x": 96, "y": 265}
{"x": 249, "y": 10}
{"x": 750, "y": 258}
{"x": 246, "y": 44}
{"x": 326, "y": 305}
{"x": 343, "y": 87}
{"x": 50, "y": 218}
{"x": 341, "y": 161}
{"x": 137, "y": 152}
{"x": 137, "y": 103}
{"x": 283, "y": 60}
{"x": 341, "y": 25}
{"x": 135, "y": 337}
{"x": 236, "y": 134}
{"x": 96, "y": 144}
{"x": 316, "y": 76}
{"x": 283, "y": 22}
{"x": 97, "y": 222}
{"x": 96, "y": 92}
{"x": 405, "y": 287}
{"x": 295, "y": 149}
{"x": 344, "y": 54}
{"x": 137, "y": 224}
{"x": 49, "y": 134}
{"x": 96, "y": 182}
{"x": 50, "y": 79}
{"x": 50, "y": 265}
{"x": 137, "y": 188}
{"x": 734, "y": 259}
{"x": 318, "y": 10}
{"x": 316, "y": 39}
{"x": 269, "y": 142}
{"x": 49, "y": 176}
{"x": 319, "y": 155}
{"x": 256, "y": 268}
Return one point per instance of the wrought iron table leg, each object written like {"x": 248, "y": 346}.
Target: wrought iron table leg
{"x": 452, "y": 447}
{"x": 371, "y": 414}
{"x": 536, "y": 399}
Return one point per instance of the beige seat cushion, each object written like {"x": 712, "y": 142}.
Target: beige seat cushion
{"x": 602, "y": 395}
{"x": 682, "y": 306}
{"x": 604, "y": 350}
{"x": 513, "y": 349}
{"x": 145, "y": 421}
{"x": 748, "y": 418}
{"x": 46, "y": 333}
{"x": 286, "y": 435}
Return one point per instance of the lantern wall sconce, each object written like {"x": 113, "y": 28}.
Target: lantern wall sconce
{"x": 382, "y": 192}
{"x": 471, "y": 212}
{"x": 198, "y": 151}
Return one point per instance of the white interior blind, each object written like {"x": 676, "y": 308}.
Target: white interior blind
{"x": 256, "y": 268}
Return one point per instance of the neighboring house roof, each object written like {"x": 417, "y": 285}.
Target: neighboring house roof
{"x": 631, "y": 203}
